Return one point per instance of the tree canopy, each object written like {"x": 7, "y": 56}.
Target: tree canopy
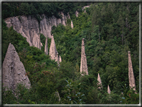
{"x": 110, "y": 31}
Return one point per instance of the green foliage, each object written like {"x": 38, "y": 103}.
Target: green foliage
{"x": 109, "y": 98}
{"x": 110, "y": 31}
{"x": 129, "y": 96}
{"x": 67, "y": 70}
{"x": 72, "y": 94}
{"x": 36, "y": 9}
{"x": 7, "y": 94}
{"x": 11, "y": 36}
{"x": 106, "y": 46}
{"x": 92, "y": 96}
{"x": 42, "y": 39}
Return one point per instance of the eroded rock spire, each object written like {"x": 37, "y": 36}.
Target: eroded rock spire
{"x": 46, "y": 47}
{"x": 76, "y": 13}
{"x": 131, "y": 73}
{"x": 71, "y": 24}
{"x": 83, "y": 64}
{"x": 108, "y": 90}
{"x": 99, "y": 81}
{"x": 30, "y": 28}
{"x": 60, "y": 59}
{"x": 13, "y": 70}
{"x": 53, "y": 52}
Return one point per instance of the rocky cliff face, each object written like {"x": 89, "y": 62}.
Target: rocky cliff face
{"x": 46, "y": 47}
{"x": 29, "y": 27}
{"x": 13, "y": 70}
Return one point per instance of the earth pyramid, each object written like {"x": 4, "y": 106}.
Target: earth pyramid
{"x": 83, "y": 64}
{"x": 13, "y": 70}
{"x": 99, "y": 81}
{"x": 53, "y": 51}
{"x": 108, "y": 90}
{"x": 131, "y": 73}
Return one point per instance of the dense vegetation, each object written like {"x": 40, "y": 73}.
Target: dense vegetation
{"x": 36, "y": 9}
{"x": 110, "y": 31}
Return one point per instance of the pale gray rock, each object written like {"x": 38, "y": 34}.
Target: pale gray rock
{"x": 53, "y": 51}
{"x": 29, "y": 27}
{"x": 46, "y": 47}
{"x": 71, "y": 24}
{"x": 83, "y": 64}
{"x": 41, "y": 44}
{"x": 64, "y": 19}
{"x": 76, "y": 13}
{"x": 60, "y": 59}
{"x": 108, "y": 90}
{"x": 99, "y": 82}
{"x": 83, "y": 8}
{"x": 131, "y": 73}
{"x": 13, "y": 70}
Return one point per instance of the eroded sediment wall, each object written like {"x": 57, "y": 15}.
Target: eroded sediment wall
{"x": 31, "y": 29}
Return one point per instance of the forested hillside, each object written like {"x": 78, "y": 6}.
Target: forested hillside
{"x": 110, "y": 31}
{"x": 36, "y": 9}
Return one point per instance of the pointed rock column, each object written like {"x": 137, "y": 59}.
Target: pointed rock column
{"x": 131, "y": 73}
{"x": 99, "y": 81}
{"x": 71, "y": 24}
{"x": 13, "y": 70}
{"x": 108, "y": 90}
{"x": 41, "y": 44}
{"x": 60, "y": 59}
{"x": 52, "y": 51}
{"x": 46, "y": 47}
{"x": 83, "y": 64}
{"x": 76, "y": 13}
{"x": 63, "y": 19}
